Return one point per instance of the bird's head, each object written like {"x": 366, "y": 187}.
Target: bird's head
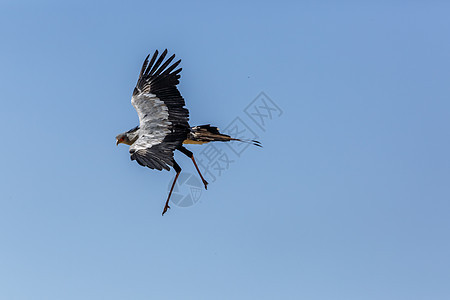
{"x": 123, "y": 139}
{"x": 128, "y": 137}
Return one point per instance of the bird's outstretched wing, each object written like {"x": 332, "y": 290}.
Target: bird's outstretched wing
{"x": 163, "y": 120}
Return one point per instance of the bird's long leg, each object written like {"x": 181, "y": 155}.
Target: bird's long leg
{"x": 191, "y": 156}
{"x": 177, "y": 168}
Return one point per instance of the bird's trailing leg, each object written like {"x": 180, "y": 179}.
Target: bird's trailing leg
{"x": 191, "y": 156}
{"x": 177, "y": 168}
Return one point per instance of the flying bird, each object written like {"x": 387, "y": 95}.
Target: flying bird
{"x": 163, "y": 120}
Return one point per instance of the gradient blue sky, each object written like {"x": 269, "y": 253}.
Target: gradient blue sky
{"x": 348, "y": 199}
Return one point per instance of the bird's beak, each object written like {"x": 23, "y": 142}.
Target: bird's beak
{"x": 117, "y": 142}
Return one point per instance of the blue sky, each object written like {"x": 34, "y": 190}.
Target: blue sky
{"x": 348, "y": 199}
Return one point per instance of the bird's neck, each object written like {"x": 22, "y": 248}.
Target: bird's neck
{"x": 132, "y": 137}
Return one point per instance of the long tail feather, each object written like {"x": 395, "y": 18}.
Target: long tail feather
{"x": 206, "y": 133}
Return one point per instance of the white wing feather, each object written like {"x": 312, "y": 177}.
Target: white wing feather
{"x": 153, "y": 120}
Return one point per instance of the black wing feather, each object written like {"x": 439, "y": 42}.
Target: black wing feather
{"x": 158, "y": 62}
{"x": 152, "y": 61}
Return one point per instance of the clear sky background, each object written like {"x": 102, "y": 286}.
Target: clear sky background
{"x": 348, "y": 199}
